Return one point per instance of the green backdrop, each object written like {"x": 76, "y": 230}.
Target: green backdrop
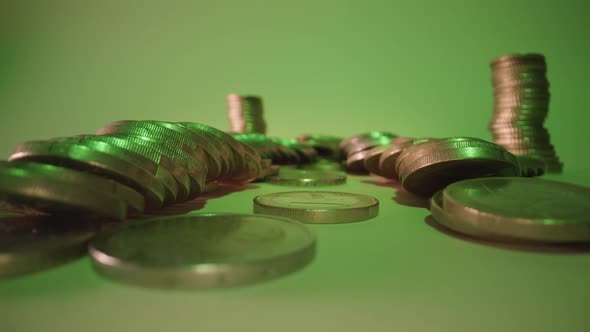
{"x": 416, "y": 68}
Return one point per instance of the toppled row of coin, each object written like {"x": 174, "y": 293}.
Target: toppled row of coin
{"x": 140, "y": 164}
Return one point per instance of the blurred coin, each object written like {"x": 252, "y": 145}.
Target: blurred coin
{"x": 29, "y": 244}
{"x": 305, "y": 178}
{"x": 371, "y": 161}
{"x": 245, "y": 114}
{"x": 523, "y": 209}
{"x": 318, "y": 207}
{"x": 202, "y": 250}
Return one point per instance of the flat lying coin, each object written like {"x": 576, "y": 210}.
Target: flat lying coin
{"x": 318, "y": 207}
{"x": 524, "y": 209}
{"x": 303, "y": 178}
{"x": 30, "y": 244}
{"x": 62, "y": 191}
{"x": 202, "y": 250}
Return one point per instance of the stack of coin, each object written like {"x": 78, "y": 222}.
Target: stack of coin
{"x": 356, "y": 148}
{"x": 126, "y": 168}
{"x": 245, "y": 114}
{"x": 515, "y": 209}
{"x": 431, "y": 165}
{"x": 521, "y": 104}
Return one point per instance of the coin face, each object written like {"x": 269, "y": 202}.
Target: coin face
{"x": 321, "y": 207}
{"x": 520, "y": 208}
{"x": 203, "y": 250}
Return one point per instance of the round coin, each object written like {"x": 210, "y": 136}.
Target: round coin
{"x": 318, "y": 207}
{"x": 526, "y": 209}
{"x": 202, "y": 250}
{"x": 305, "y": 178}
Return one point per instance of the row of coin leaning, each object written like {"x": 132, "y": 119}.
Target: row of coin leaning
{"x": 424, "y": 166}
{"x": 126, "y": 168}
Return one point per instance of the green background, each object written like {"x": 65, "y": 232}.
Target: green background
{"x": 417, "y": 68}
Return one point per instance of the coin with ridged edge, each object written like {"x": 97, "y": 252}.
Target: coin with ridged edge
{"x": 521, "y": 209}
{"x": 318, "y": 207}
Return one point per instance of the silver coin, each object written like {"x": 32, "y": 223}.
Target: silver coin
{"x": 318, "y": 207}
{"x": 307, "y": 178}
{"x": 526, "y": 209}
{"x": 202, "y": 250}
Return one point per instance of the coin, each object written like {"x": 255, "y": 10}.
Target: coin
{"x": 318, "y": 207}
{"x": 306, "y": 178}
{"x": 98, "y": 159}
{"x": 433, "y": 165}
{"x": 34, "y": 243}
{"x": 525, "y": 209}
{"x": 371, "y": 161}
{"x": 202, "y": 250}
{"x": 27, "y": 186}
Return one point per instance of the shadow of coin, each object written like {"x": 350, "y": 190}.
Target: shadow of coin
{"x": 381, "y": 182}
{"x": 199, "y": 203}
{"x": 547, "y": 248}
{"x": 404, "y": 197}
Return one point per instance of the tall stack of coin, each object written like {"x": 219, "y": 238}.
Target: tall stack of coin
{"x": 521, "y": 104}
{"x": 245, "y": 114}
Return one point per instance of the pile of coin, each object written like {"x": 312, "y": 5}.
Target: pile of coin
{"x": 356, "y": 148}
{"x": 521, "y": 104}
{"x": 245, "y": 114}
{"x": 126, "y": 167}
{"x": 515, "y": 209}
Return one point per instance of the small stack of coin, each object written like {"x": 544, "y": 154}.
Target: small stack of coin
{"x": 128, "y": 166}
{"x": 245, "y": 114}
{"x": 356, "y": 148}
{"x": 521, "y": 104}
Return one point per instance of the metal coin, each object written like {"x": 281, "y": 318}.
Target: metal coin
{"x": 318, "y": 207}
{"x": 438, "y": 167}
{"x": 203, "y": 250}
{"x": 193, "y": 160}
{"x": 524, "y": 209}
{"x": 305, "y": 178}
{"x": 371, "y": 161}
